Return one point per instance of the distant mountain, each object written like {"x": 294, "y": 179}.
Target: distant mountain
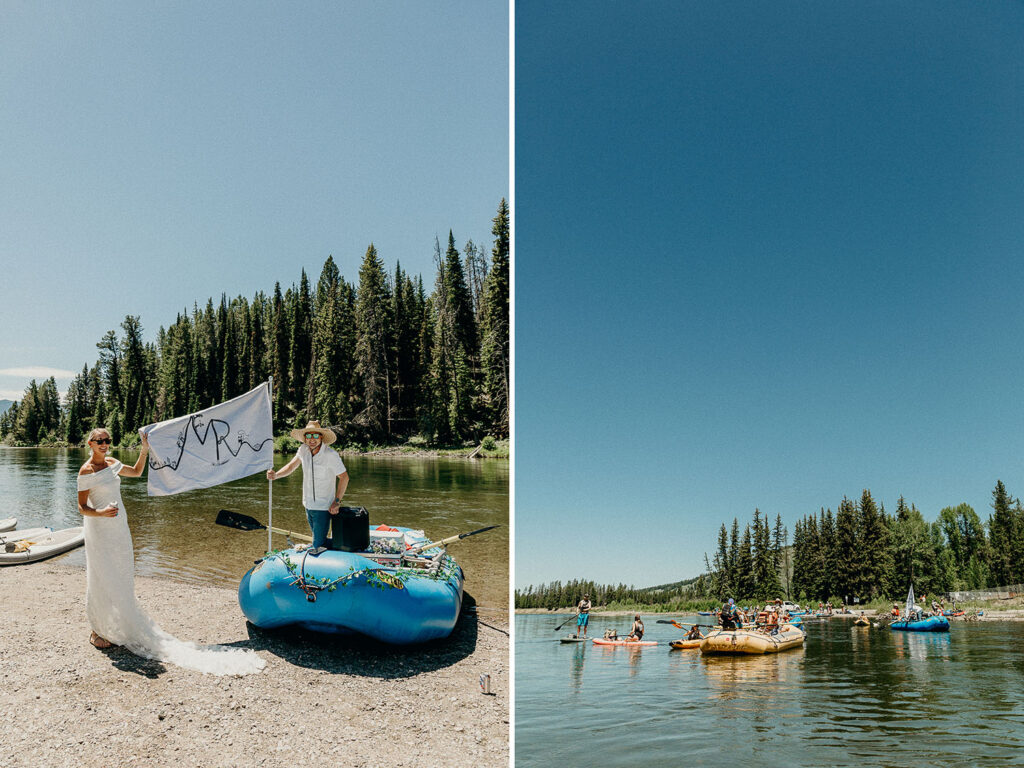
{"x": 5, "y": 404}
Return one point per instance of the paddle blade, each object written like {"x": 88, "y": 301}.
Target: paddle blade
{"x": 237, "y": 520}
{"x": 478, "y": 530}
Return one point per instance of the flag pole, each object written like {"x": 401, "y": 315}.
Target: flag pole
{"x": 270, "y": 483}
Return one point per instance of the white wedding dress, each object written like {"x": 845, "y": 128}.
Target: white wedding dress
{"x": 111, "y": 607}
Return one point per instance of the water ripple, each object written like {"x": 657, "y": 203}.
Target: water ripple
{"x": 870, "y": 698}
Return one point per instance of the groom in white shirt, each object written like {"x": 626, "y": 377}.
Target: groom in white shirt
{"x": 324, "y": 477}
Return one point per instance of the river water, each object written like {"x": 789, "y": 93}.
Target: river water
{"x": 850, "y": 697}
{"x": 175, "y": 536}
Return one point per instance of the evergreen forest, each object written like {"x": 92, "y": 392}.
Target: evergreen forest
{"x": 860, "y": 553}
{"x": 382, "y": 360}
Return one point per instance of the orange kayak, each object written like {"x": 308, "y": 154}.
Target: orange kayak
{"x": 686, "y": 645}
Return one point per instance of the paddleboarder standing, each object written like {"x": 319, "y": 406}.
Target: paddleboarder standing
{"x": 582, "y": 615}
{"x": 324, "y": 477}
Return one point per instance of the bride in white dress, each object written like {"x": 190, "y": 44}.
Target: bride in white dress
{"x": 113, "y": 611}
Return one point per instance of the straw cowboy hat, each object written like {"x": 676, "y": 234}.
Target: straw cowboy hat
{"x": 326, "y": 435}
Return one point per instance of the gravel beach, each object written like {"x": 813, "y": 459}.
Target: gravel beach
{"x": 320, "y": 700}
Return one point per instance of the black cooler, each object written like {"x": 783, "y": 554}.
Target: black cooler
{"x": 350, "y": 529}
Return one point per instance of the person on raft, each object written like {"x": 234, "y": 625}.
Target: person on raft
{"x": 728, "y": 615}
{"x": 324, "y": 477}
{"x": 694, "y": 633}
{"x": 636, "y": 634}
{"x": 895, "y": 612}
{"x": 582, "y": 615}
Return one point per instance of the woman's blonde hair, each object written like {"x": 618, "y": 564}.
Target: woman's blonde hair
{"x": 94, "y": 432}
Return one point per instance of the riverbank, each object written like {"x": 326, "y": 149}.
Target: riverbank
{"x": 320, "y": 699}
{"x": 283, "y": 444}
{"x": 991, "y": 614}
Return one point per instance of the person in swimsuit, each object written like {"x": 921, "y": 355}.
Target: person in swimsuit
{"x": 636, "y": 634}
{"x": 582, "y": 615}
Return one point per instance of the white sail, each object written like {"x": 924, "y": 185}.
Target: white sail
{"x": 910, "y": 602}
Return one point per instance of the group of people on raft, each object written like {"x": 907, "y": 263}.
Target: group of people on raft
{"x": 769, "y": 617}
{"x": 938, "y": 609}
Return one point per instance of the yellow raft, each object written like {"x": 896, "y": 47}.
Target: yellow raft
{"x": 752, "y": 640}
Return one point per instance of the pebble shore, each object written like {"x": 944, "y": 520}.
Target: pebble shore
{"x": 321, "y": 700}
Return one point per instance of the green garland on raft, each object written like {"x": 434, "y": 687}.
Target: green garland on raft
{"x": 379, "y": 578}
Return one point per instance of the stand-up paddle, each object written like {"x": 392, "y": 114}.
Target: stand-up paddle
{"x": 566, "y": 621}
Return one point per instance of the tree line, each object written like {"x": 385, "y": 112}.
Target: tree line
{"x": 859, "y": 552}
{"x": 562, "y": 595}
{"x": 381, "y": 360}
{"x": 863, "y": 552}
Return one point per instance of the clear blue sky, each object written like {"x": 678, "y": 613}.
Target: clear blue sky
{"x": 155, "y": 154}
{"x": 767, "y": 255}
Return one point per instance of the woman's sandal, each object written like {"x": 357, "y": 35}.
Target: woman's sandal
{"x": 100, "y": 642}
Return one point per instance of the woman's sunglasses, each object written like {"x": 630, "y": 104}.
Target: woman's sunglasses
{"x": 313, "y": 435}
{"x": 103, "y": 441}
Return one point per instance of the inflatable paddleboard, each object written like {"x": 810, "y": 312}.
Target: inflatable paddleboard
{"x": 630, "y": 643}
{"x": 8, "y": 523}
{"x": 45, "y": 546}
{"x": 27, "y": 533}
{"x": 573, "y": 639}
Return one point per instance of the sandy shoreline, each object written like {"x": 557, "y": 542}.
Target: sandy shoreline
{"x": 319, "y": 700}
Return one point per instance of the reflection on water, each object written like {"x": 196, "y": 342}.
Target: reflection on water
{"x": 850, "y": 696}
{"x": 175, "y": 535}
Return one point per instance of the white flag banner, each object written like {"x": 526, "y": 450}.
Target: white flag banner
{"x": 217, "y": 445}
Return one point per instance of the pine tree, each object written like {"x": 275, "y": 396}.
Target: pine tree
{"x": 373, "y": 343}
{"x": 280, "y": 354}
{"x": 495, "y": 327}
{"x": 135, "y": 375}
{"x": 300, "y": 347}
{"x": 407, "y": 323}
{"x": 1003, "y": 535}
{"x": 745, "y": 578}
{"x": 327, "y": 401}
{"x": 451, "y": 381}
{"x": 849, "y": 563}
{"x": 475, "y": 269}
{"x": 77, "y": 406}
{"x": 877, "y": 556}
{"x": 721, "y": 567}
{"x": 826, "y": 557}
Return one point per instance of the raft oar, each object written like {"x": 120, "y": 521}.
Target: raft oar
{"x": 245, "y": 523}
{"x": 684, "y": 626}
{"x": 443, "y": 542}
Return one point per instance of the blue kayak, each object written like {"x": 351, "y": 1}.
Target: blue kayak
{"x": 929, "y": 624}
{"x": 354, "y": 592}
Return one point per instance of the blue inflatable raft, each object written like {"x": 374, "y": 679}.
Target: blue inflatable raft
{"x": 356, "y": 592}
{"x": 929, "y": 624}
